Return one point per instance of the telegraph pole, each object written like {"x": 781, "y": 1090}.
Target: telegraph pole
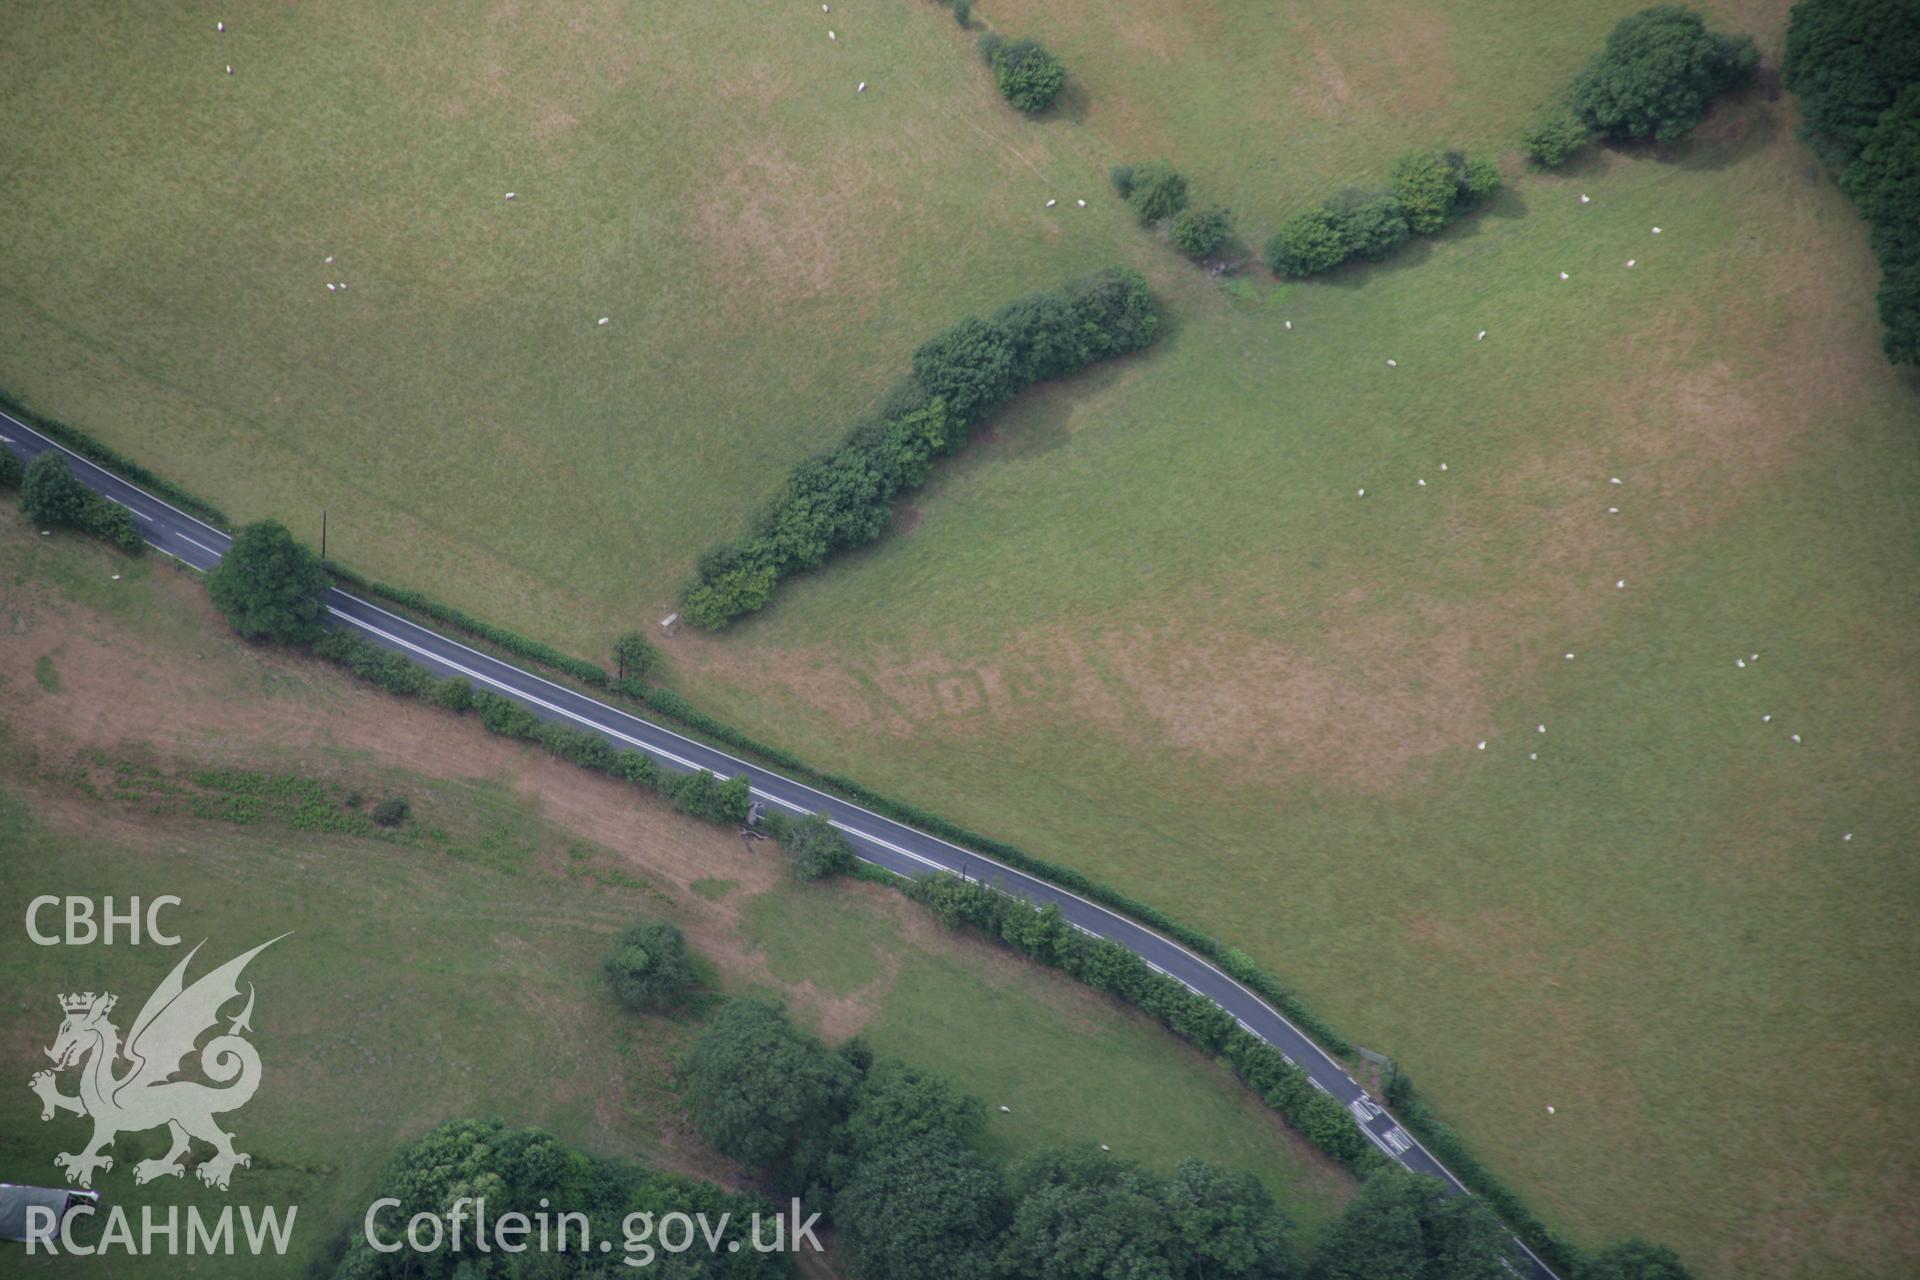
{"x": 323, "y": 533}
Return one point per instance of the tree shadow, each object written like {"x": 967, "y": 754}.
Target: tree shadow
{"x": 1070, "y": 104}
{"x": 1358, "y": 275}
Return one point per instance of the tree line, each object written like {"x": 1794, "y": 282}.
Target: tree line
{"x": 844, "y": 498}
{"x": 890, "y": 1153}
{"x": 1855, "y": 66}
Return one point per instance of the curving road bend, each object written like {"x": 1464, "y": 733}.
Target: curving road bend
{"x": 877, "y": 839}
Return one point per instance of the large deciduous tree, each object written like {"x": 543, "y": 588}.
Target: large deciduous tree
{"x": 1659, "y": 70}
{"x": 754, "y": 1083}
{"x": 926, "y": 1208}
{"x": 269, "y": 586}
{"x": 1409, "y": 1226}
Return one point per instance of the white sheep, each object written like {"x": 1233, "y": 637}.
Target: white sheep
{"x": 862, "y": 88}
{"x": 606, "y": 320}
{"x": 1481, "y": 336}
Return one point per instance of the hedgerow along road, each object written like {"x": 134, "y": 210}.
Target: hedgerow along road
{"x": 899, "y": 848}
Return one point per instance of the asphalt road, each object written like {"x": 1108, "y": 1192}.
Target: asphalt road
{"x": 890, "y": 844}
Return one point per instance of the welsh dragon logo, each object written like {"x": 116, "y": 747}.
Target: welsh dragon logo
{"x": 146, "y": 1094}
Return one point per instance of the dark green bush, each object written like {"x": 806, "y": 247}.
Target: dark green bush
{"x": 816, "y": 849}
{"x": 635, "y": 656}
{"x": 649, "y": 968}
{"x": 1028, "y": 75}
{"x": 454, "y": 693}
{"x": 1371, "y": 224}
{"x": 1660, "y": 69}
{"x": 504, "y": 716}
{"x": 392, "y": 811}
{"x": 1199, "y": 232}
{"x": 962, "y": 11}
{"x": 1552, "y": 141}
{"x": 1157, "y": 191}
{"x": 1306, "y": 244}
{"x": 51, "y": 494}
{"x": 1427, "y": 184}
{"x": 11, "y": 470}
{"x": 112, "y": 523}
{"x": 1120, "y": 178}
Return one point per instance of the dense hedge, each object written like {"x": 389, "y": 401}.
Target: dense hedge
{"x": 1855, "y": 65}
{"x": 92, "y": 450}
{"x": 700, "y": 794}
{"x": 1446, "y": 1146}
{"x": 1102, "y": 964}
{"x": 844, "y": 498}
{"x": 52, "y": 495}
{"x": 1044, "y": 934}
{"x": 512, "y": 641}
{"x": 1428, "y": 189}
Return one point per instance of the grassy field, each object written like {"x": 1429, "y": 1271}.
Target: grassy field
{"x": 705, "y": 177}
{"x": 1145, "y": 627}
{"x": 454, "y": 970}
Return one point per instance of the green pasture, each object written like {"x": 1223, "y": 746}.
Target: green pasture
{"x": 454, "y": 970}
{"x": 1145, "y": 627}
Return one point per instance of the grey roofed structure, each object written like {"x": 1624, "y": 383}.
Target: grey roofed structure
{"x": 15, "y": 1201}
